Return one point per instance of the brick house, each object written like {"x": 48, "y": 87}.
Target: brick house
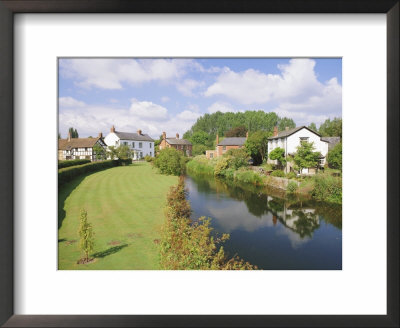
{"x": 180, "y": 144}
{"x": 226, "y": 144}
{"x": 78, "y": 148}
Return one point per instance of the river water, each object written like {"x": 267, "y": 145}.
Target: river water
{"x": 268, "y": 229}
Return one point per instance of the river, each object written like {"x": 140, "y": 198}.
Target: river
{"x": 268, "y": 229}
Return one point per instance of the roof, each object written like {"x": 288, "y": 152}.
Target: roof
{"x": 332, "y": 141}
{"x": 64, "y": 144}
{"x": 175, "y": 141}
{"x": 133, "y": 136}
{"x": 232, "y": 141}
{"x": 286, "y": 133}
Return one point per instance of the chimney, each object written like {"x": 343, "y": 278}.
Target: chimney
{"x": 113, "y": 129}
{"x": 286, "y": 128}
{"x": 217, "y": 139}
{"x": 101, "y": 135}
{"x": 139, "y": 132}
{"x": 164, "y": 135}
{"x": 247, "y": 134}
{"x": 177, "y": 136}
{"x": 69, "y": 135}
{"x": 275, "y": 131}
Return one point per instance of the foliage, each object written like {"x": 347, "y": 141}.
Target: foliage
{"x": 327, "y": 188}
{"x": 69, "y": 173}
{"x": 124, "y": 152}
{"x": 291, "y": 187}
{"x": 200, "y": 165}
{"x": 148, "y": 158}
{"x": 112, "y": 152}
{"x": 73, "y": 162}
{"x": 331, "y": 128}
{"x": 200, "y": 138}
{"x": 305, "y": 156}
{"x": 191, "y": 246}
{"x": 170, "y": 161}
{"x": 239, "y": 131}
{"x": 198, "y": 149}
{"x": 291, "y": 175}
{"x": 248, "y": 176}
{"x": 278, "y": 173}
{"x": 99, "y": 152}
{"x": 256, "y": 146}
{"x": 221, "y": 165}
{"x": 86, "y": 234}
{"x": 313, "y": 127}
{"x": 237, "y": 158}
{"x": 74, "y": 133}
{"x": 59, "y": 135}
{"x": 279, "y": 155}
{"x": 335, "y": 157}
{"x": 286, "y": 123}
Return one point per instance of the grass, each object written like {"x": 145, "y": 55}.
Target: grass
{"x": 125, "y": 205}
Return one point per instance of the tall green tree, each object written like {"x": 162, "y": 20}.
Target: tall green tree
{"x": 257, "y": 145}
{"x": 313, "y": 127}
{"x": 306, "y": 156}
{"x": 335, "y": 157}
{"x": 99, "y": 152}
{"x": 86, "y": 235}
{"x": 239, "y": 131}
{"x": 199, "y": 138}
{"x": 285, "y": 122}
{"x": 331, "y": 128}
{"x": 73, "y": 132}
{"x": 124, "y": 152}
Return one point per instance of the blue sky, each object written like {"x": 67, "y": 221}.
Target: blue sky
{"x": 157, "y": 95}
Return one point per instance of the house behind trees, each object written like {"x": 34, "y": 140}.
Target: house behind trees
{"x": 182, "y": 145}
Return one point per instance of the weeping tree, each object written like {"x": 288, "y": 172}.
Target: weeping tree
{"x": 86, "y": 235}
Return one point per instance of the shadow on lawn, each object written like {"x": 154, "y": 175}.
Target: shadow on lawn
{"x": 110, "y": 251}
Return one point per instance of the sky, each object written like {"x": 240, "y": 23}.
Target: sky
{"x": 169, "y": 94}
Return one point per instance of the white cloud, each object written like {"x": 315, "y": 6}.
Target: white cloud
{"x": 112, "y": 73}
{"x": 165, "y": 99}
{"x": 220, "y": 107}
{"x": 70, "y": 102}
{"x": 187, "y": 87}
{"x": 188, "y": 115}
{"x": 148, "y": 110}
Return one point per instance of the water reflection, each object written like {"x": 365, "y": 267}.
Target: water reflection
{"x": 260, "y": 218}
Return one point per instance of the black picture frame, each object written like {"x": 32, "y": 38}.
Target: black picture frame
{"x": 10, "y": 7}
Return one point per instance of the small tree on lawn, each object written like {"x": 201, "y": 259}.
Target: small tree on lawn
{"x": 305, "y": 156}
{"x": 279, "y": 155}
{"x": 99, "y": 152}
{"x": 86, "y": 235}
{"x": 124, "y": 152}
{"x": 112, "y": 152}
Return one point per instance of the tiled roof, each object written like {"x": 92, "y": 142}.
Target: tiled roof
{"x": 133, "y": 136}
{"x": 286, "y": 133}
{"x": 233, "y": 141}
{"x": 174, "y": 141}
{"x": 64, "y": 144}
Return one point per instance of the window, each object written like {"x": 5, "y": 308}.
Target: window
{"x": 133, "y": 145}
{"x": 125, "y": 143}
{"x": 86, "y": 149}
{"x": 304, "y": 139}
{"x": 223, "y": 147}
{"x": 150, "y": 146}
{"x": 140, "y": 145}
{"x": 211, "y": 155}
{"x": 151, "y": 153}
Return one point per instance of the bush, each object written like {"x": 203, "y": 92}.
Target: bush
{"x": 190, "y": 246}
{"x": 327, "y": 188}
{"x": 69, "y": 173}
{"x": 335, "y": 157}
{"x": 248, "y": 176}
{"x": 199, "y": 150}
{"x": 73, "y": 162}
{"x": 200, "y": 165}
{"x": 278, "y": 173}
{"x": 291, "y": 175}
{"x": 237, "y": 158}
{"x": 221, "y": 165}
{"x": 170, "y": 162}
{"x": 148, "y": 158}
{"x": 291, "y": 187}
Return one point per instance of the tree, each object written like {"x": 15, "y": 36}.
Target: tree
{"x": 170, "y": 161}
{"x": 198, "y": 149}
{"x": 279, "y": 155}
{"x": 239, "y": 131}
{"x": 256, "y": 146}
{"x": 331, "y": 128}
{"x": 99, "y": 152}
{"x": 124, "y": 152}
{"x": 313, "y": 127}
{"x": 285, "y": 122}
{"x": 305, "y": 156}
{"x": 73, "y": 132}
{"x": 335, "y": 157}
{"x": 199, "y": 138}
{"x": 112, "y": 152}
{"x": 86, "y": 235}
{"x": 59, "y": 135}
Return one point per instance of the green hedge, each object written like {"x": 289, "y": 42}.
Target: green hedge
{"x": 73, "y": 162}
{"x": 69, "y": 173}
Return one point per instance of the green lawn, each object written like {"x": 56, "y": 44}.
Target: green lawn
{"x": 125, "y": 206}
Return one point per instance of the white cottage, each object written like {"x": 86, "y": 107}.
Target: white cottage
{"x": 140, "y": 144}
{"x": 290, "y": 139}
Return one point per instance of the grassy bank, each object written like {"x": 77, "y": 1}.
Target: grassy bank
{"x": 125, "y": 206}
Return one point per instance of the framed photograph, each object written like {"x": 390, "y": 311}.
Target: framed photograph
{"x": 213, "y": 164}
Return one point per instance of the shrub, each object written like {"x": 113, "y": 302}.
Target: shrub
{"x": 86, "y": 235}
{"x": 327, "y": 188}
{"x": 199, "y": 150}
{"x": 335, "y": 157}
{"x": 221, "y": 165}
{"x": 291, "y": 187}
{"x": 69, "y": 173}
{"x": 229, "y": 174}
{"x": 170, "y": 162}
{"x": 248, "y": 176}
{"x": 190, "y": 246}
{"x": 291, "y": 175}
{"x": 237, "y": 158}
{"x": 278, "y": 173}
{"x": 148, "y": 158}
{"x": 73, "y": 162}
{"x": 200, "y": 165}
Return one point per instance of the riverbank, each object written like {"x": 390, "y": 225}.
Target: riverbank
{"x": 125, "y": 206}
{"x": 321, "y": 187}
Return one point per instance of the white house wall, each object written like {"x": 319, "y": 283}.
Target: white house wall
{"x": 147, "y": 147}
{"x": 293, "y": 141}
